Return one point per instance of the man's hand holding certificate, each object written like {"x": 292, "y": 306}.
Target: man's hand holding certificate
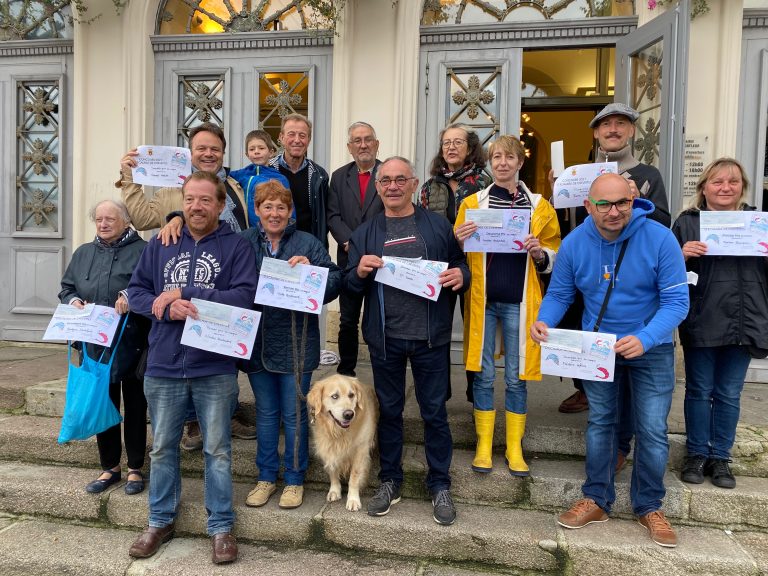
{"x": 220, "y": 328}
{"x": 92, "y": 323}
{"x": 572, "y": 186}
{"x": 734, "y": 233}
{"x": 300, "y": 287}
{"x": 498, "y": 230}
{"x": 412, "y": 275}
{"x": 162, "y": 166}
{"x": 577, "y": 354}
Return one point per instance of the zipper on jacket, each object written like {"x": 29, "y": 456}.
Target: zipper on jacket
{"x": 190, "y": 276}
{"x": 426, "y": 257}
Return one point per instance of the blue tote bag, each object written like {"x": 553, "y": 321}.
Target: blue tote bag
{"x": 88, "y": 409}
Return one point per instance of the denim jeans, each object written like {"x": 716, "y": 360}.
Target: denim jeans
{"x": 214, "y": 398}
{"x": 652, "y": 379}
{"x": 275, "y": 395}
{"x": 516, "y": 395}
{"x": 714, "y": 378}
{"x": 430, "y": 376}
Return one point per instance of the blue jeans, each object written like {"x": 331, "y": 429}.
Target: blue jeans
{"x": 430, "y": 376}
{"x": 516, "y": 395}
{"x": 214, "y": 398}
{"x": 275, "y": 395}
{"x": 652, "y": 380}
{"x": 714, "y": 378}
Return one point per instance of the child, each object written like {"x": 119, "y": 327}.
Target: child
{"x": 258, "y": 149}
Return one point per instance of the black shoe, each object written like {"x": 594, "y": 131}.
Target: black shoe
{"x": 693, "y": 470}
{"x": 720, "y": 473}
{"x": 134, "y": 486}
{"x": 443, "y": 510}
{"x": 98, "y": 486}
{"x": 387, "y": 494}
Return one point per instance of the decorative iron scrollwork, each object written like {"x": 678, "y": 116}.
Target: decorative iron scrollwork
{"x": 473, "y": 96}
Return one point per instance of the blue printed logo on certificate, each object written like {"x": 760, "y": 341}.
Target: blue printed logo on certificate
{"x": 577, "y": 354}
{"x": 413, "y": 275}
{"x": 222, "y": 329}
{"x": 92, "y": 323}
{"x": 300, "y": 287}
{"x": 734, "y": 233}
{"x": 498, "y": 230}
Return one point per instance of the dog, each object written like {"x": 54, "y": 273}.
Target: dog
{"x": 343, "y": 413}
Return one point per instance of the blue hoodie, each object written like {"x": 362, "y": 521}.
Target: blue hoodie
{"x": 250, "y": 177}
{"x": 650, "y": 294}
{"x": 221, "y": 267}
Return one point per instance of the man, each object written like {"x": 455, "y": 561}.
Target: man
{"x": 352, "y": 200}
{"x": 308, "y": 181}
{"x": 649, "y": 299}
{"x": 210, "y": 262}
{"x": 613, "y": 127}
{"x": 399, "y": 327}
{"x": 207, "y": 145}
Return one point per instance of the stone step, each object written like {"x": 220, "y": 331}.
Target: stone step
{"x": 553, "y": 484}
{"x": 407, "y": 541}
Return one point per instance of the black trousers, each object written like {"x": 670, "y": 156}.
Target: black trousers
{"x": 134, "y": 426}
{"x": 350, "y": 306}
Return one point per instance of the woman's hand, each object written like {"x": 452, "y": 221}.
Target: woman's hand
{"x": 79, "y": 304}
{"x": 533, "y": 246}
{"x": 293, "y": 260}
{"x": 464, "y": 231}
{"x": 694, "y": 249}
{"x": 171, "y": 232}
{"x": 121, "y": 305}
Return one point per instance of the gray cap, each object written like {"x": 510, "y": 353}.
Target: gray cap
{"x": 614, "y": 109}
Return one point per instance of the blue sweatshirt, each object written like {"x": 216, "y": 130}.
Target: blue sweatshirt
{"x": 250, "y": 177}
{"x": 220, "y": 267}
{"x": 650, "y": 294}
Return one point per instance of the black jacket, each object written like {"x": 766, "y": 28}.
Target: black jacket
{"x": 441, "y": 244}
{"x": 729, "y": 304}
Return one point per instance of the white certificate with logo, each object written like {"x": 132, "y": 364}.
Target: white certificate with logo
{"x": 162, "y": 166}
{"x": 301, "y": 287}
{"x": 578, "y": 354}
{"x": 92, "y": 323}
{"x": 572, "y": 186}
{"x": 498, "y": 230}
{"x": 413, "y": 275}
{"x": 734, "y": 233}
{"x": 222, "y": 329}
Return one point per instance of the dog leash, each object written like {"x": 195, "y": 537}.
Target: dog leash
{"x": 299, "y": 352}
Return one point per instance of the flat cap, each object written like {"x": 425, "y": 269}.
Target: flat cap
{"x": 614, "y": 109}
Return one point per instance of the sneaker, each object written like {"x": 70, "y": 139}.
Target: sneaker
{"x": 260, "y": 494}
{"x": 443, "y": 510}
{"x": 193, "y": 439}
{"x": 693, "y": 470}
{"x": 576, "y": 402}
{"x": 583, "y": 512}
{"x": 720, "y": 473}
{"x": 242, "y": 431}
{"x": 292, "y": 496}
{"x": 386, "y": 495}
{"x": 659, "y": 528}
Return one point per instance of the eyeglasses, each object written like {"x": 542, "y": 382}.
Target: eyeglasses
{"x": 399, "y": 181}
{"x": 603, "y": 206}
{"x": 360, "y": 141}
{"x": 456, "y": 143}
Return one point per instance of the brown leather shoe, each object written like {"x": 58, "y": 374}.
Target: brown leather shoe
{"x": 576, "y": 402}
{"x": 224, "y": 548}
{"x": 583, "y": 512}
{"x": 660, "y": 529}
{"x": 150, "y": 540}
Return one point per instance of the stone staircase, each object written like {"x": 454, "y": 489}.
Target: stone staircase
{"x": 50, "y": 525}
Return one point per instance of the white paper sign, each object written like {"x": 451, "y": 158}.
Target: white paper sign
{"x": 301, "y": 287}
{"x": 572, "y": 186}
{"x": 94, "y": 324}
{"x": 162, "y": 166}
{"x": 412, "y": 275}
{"x": 498, "y": 230}
{"x": 577, "y": 354}
{"x": 558, "y": 158}
{"x": 222, "y": 329}
{"x": 734, "y": 233}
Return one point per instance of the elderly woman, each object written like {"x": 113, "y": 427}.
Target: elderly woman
{"x": 97, "y": 274}
{"x": 506, "y": 290}
{"x": 286, "y": 351}
{"x": 725, "y": 324}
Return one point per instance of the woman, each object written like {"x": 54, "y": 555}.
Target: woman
{"x": 726, "y": 321}
{"x": 457, "y": 171}
{"x": 97, "y": 273}
{"x": 287, "y": 345}
{"x": 505, "y": 290}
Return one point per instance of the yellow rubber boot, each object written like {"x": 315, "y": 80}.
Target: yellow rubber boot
{"x": 484, "y": 422}
{"x": 514, "y": 454}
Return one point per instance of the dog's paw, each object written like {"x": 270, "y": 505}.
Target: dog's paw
{"x": 353, "y": 504}
{"x": 333, "y": 495}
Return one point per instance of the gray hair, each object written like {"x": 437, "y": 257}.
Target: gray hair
{"x": 121, "y": 208}
{"x": 360, "y": 124}
{"x": 403, "y": 160}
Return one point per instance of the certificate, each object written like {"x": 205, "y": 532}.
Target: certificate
{"x": 301, "y": 287}
{"x": 577, "y": 354}
{"x": 222, "y": 329}
{"x": 498, "y": 230}
{"x": 572, "y": 186}
{"x": 412, "y": 275}
{"x": 734, "y": 233}
{"x": 92, "y": 323}
{"x": 162, "y": 166}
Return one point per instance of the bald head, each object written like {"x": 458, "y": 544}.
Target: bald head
{"x": 610, "y": 204}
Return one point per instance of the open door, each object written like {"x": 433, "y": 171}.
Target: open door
{"x": 651, "y": 72}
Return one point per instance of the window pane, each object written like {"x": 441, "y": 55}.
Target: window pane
{"x": 201, "y": 99}
{"x": 280, "y": 94}
{"x": 646, "y": 89}
{"x": 567, "y": 73}
{"x": 473, "y": 100}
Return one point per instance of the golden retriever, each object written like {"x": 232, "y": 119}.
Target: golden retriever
{"x": 343, "y": 413}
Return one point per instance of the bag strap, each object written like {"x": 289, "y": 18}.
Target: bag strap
{"x": 610, "y": 285}
{"x": 117, "y": 342}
